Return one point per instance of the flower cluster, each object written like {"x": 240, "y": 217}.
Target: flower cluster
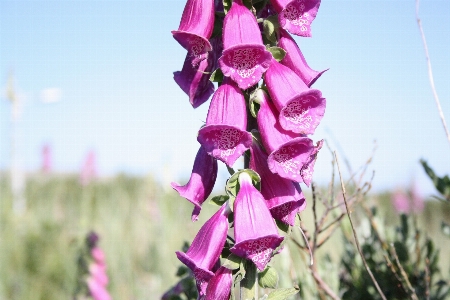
{"x": 262, "y": 75}
{"x": 92, "y": 277}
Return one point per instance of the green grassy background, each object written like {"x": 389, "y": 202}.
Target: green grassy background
{"x": 141, "y": 225}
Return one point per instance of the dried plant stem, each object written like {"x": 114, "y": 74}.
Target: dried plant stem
{"x": 323, "y": 286}
{"x": 354, "y": 233}
{"x": 412, "y": 292}
{"x": 430, "y": 73}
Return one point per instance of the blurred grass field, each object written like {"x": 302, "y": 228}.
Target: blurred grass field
{"x": 140, "y": 225}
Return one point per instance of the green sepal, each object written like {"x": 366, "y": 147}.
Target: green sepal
{"x": 232, "y": 185}
{"x": 219, "y": 200}
{"x": 281, "y": 225}
{"x": 282, "y": 294}
{"x": 241, "y": 272}
{"x": 253, "y": 104}
{"x": 227, "y": 5}
{"x": 216, "y": 76}
{"x": 232, "y": 262}
{"x": 277, "y": 53}
{"x": 269, "y": 31}
{"x": 230, "y": 170}
{"x": 182, "y": 270}
{"x": 268, "y": 278}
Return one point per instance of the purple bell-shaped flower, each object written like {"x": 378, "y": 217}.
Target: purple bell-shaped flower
{"x": 295, "y": 60}
{"x": 224, "y": 136}
{"x": 255, "y": 232}
{"x": 194, "y": 80}
{"x": 296, "y": 16}
{"x": 206, "y": 247}
{"x": 201, "y": 182}
{"x": 245, "y": 57}
{"x": 284, "y": 197}
{"x": 300, "y": 107}
{"x": 219, "y": 287}
{"x": 196, "y": 27}
{"x": 288, "y": 152}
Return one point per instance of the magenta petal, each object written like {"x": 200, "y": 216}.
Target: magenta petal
{"x": 288, "y": 160}
{"x": 245, "y": 64}
{"x": 296, "y": 16}
{"x": 308, "y": 169}
{"x": 303, "y": 113}
{"x": 206, "y": 247}
{"x": 245, "y": 57}
{"x": 194, "y": 80}
{"x": 219, "y": 287}
{"x": 224, "y": 136}
{"x": 295, "y": 60}
{"x": 284, "y": 197}
{"x": 196, "y": 26}
{"x": 255, "y": 232}
{"x": 201, "y": 182}
{"x": 301, "y": 109}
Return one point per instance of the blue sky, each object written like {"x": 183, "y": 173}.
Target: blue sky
{"x": 112, "y": 62}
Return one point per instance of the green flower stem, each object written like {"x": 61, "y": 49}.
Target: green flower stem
{"x": 249, "y": 285}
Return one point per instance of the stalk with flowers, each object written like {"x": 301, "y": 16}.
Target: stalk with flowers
{"x": 264, "y": 110}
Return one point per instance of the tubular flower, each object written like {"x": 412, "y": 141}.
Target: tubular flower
{"x": 196, "y": 26}
{"x": 301, "y": 108}
{"x": 245, "y": 57}
{"x": 194, "y": 80}
{"x": 201, "y": 182}
{"x": 97, "y": 279}
{"x": 224, "y": 136}
{"x": 284, "y": 197}
{"x": 219, "y": 287}
{"x": 206, "y": 247}
{"x": 308, "y": 169}
{"x": 296, "y": 16}
{"x": 255, "y": 231}
{"x": 288, "y": 152}
{"x": 295, "y": 60}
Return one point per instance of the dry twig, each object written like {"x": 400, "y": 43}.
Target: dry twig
{"x": 354, "y": 234}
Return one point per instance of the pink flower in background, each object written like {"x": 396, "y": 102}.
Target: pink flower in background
{"x": 201, "y": 182}
{"x": 97, "y": 279}
{"x": 295, "y": 60}
{"x": 417, "y": 203}
{"x": 401, "y": 202}
{"x": 245, "y": 57}
{"x": 296, "y": 16}
{"x": 224, "y": 136}
{"x": 89, "y": 168}
{"x": 255, "y": 231}
{"x": 46, "y": 159}
{"x": 196, "y": 27}
{"x": 206, "y": 247}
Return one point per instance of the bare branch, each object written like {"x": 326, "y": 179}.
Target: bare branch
{"x": 354, "y": 234}
{"x": 412, "y": 293}
{"x": 430, "y": 73}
